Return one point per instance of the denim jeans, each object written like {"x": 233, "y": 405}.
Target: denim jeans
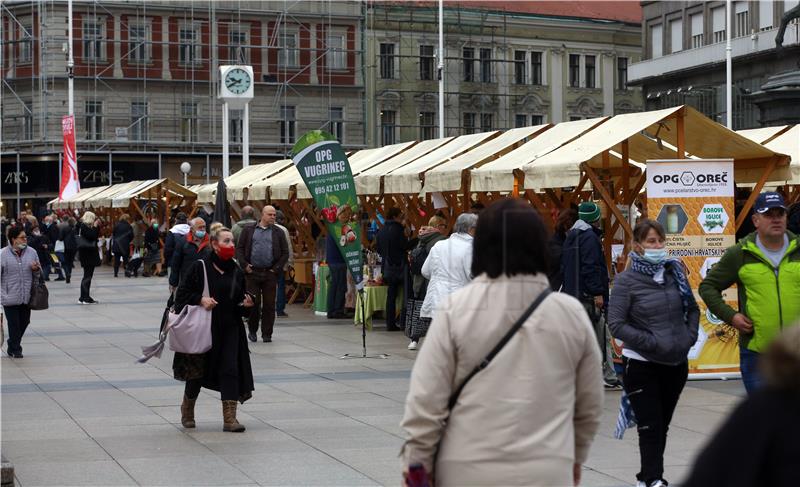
{"x": 748, "y": 364}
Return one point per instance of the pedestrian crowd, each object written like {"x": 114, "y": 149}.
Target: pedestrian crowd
{"x": 517, "y": 321}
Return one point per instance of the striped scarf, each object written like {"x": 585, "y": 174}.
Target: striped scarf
{"x": 675, "y": 266}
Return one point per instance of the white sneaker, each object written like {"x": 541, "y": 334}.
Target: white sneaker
{"x": 412, "y": 345}
{"x": 640, "y": 483}
{"x": 659, "y": 483}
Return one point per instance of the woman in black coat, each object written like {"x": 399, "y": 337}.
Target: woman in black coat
{"x": 555, "y": 246}
{"x": 121, "y": 237}
{"x": 87, "y": 229}
{"x": 226, "y": 367}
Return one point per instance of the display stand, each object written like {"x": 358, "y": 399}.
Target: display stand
{"x": 364, "y": 334}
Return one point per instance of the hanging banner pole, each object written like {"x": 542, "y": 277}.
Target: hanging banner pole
{"x": 694, "y": 202}
{"x": 324, "y": 167}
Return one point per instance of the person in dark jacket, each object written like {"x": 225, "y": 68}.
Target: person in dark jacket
{"x": 262, "y": 252}
{"x": 226, "y": 367}
{"x": 337, "y": 287}
{"x": 583, "y": 266}
{"x": 53, "y": 233}
{"x": 436, "y": 231}
{"x": 88, "y": 229}
{"x": 67, "y": 235}
{"x": 566, "y": 219}
{"x": 121, "y": 238}
{"x": 195, "y": 247}
{"x": 654, "y": 312}
{"x": 40, "y": 242}
{"x": 175, "y": 237}
{"x": 757, "y": 444}
{"x": 793, "y": 219}
{"x": 152, "y": 249}
{"x": 392, "y": 245}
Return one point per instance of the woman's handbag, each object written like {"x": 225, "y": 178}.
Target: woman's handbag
{"x": 82, "y": 242}
{"x": 59, "y": 247}
{"x": 40, "y": 296}
{"x": 190, "y": 330}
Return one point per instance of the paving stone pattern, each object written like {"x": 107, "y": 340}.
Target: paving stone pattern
{"x": 77, "y": 410}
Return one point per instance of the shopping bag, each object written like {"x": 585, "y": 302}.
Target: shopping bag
{"x": 190, "y": 330}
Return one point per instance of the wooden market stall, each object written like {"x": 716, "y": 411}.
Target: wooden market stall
{"x": 785, "y": 140}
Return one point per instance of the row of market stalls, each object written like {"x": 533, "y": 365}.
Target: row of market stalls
{"x": 552, "y": 166}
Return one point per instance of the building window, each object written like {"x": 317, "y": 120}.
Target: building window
{"x": 138, "y": 43}
{"x": 718, "y": 24}
{"x": 189, "y": 45}
{"x": 536, "y": 68}
{"x": 520, "y": 120}
{"x": 387, "y": 60}
{"x": 93, "y": 36}
{"x": 622, "y": 73}
{"x": 388, "y": 127}
{"x": 236, "y": 127}
{"x": 697, "y": 30}
{"x": 519, "y": 67}
{"x": 426, "y": 125}
{"x": 336, "y": 57}
{"x": 676, "y": 36}
{"x": 766, "y": 12}
{"x": 469, "y": 64}
{"x": 656, "y": 41}
{"x": 742, "y": 19}
{"x": 336, "y": 122}
{"x": 470, "y": 125}
{"x": 189, "y": 122}
{"x": 486, "y": 65}
{"x": 25, "y": 52}
{"x": 574, "y": 70}
{"x": 591, "y": 72}
{"x": 486, "y": 122}
{"x": 94, "y": 120}
{"x": 27, "y": 120}
{"x": 536, "y": 120}
{"x": 575, "y": 118}
{"x": 238, "y": 53}
{"x": 138, "y": 128}
{"x": 289, "y": 54}
{"x": 288, "y": 124}
{"x": 426, "y": 62}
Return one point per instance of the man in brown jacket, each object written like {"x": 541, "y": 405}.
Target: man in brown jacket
{"x": 262, "y": 252}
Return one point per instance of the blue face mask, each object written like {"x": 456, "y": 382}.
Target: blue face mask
{"x": 655, "y": 256}
{"x": 200, "y": 233}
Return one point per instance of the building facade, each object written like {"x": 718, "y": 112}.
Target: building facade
{"x": 146, "y": 85}
{"x": 684, "y": 55}
{"x": 505, "y": 65}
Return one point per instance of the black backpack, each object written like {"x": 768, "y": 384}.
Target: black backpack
{"x": 417, "y": 259}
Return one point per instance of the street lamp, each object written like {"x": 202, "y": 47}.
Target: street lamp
{"x": 186, "y": 168}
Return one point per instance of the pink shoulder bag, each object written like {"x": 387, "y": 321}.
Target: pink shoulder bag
{"x": 190, "y": 330}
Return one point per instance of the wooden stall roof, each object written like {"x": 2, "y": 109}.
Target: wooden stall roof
{"x": 784, "y": 141}
{"x": 369, "y": 181}
{"x": 498, "y": 175}
{"x": 406, "y": 178}
{"x": 448, "y": 176}
{"x": 76, "y": 200}
{"x": 379, "y": 154}
{"x": 703, "y": 138}
{"x": 256, "y": 183}
{"x": 103, "y": 198}
{"x": 122, "y": 198}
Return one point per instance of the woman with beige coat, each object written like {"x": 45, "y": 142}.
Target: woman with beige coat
{"x": 529, "y": 417}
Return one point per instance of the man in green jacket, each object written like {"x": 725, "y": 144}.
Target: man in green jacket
{"x": 765, "y": 266}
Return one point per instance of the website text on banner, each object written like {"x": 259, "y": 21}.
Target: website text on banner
{"x": 694, "y": 201}
{"x": 325, "y": 169}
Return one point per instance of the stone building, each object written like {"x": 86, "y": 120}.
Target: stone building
{"x": 505, "y": 65}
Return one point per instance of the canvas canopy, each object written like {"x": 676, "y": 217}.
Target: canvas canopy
{"x": 369, "y": 181}
{"x": 702, "y": 138}
{"x": 448, "y": 176}
{"x": 406, "y": 179}
{"x": 785, "y": 140}
{"x": 120, "y": 195}
{"x": 252, "y": 181}
{"x": 76, "y": 200}
{"x": 498, "y": 175}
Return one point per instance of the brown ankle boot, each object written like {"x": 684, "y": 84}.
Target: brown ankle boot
{"x": 187, "y": 412}
{"x": 229, "y": 417}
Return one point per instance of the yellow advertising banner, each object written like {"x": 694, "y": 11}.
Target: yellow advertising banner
{"x": 694, "y": 201}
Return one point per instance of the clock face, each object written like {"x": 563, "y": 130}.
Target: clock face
{"x": 237, "y": 81}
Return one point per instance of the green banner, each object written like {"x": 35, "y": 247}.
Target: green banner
{"x": 325, "y": 169}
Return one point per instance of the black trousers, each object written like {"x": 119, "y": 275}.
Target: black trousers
{"x": 117, "y": 259}
{"x": 18, "y": 317}
{"x": 337, "y": 289}
{"x": 229, "y": 388}
{"x": 653, "y": 390}
{"x": 262, "y": 284}
{"x": 395, "y": 284}
{"x": 86, "y": 282}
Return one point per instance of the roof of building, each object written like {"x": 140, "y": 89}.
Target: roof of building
{"x": 621, "y": 11}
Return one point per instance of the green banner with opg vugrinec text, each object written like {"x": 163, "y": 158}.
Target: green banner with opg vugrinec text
{"x": 325, "y": 169}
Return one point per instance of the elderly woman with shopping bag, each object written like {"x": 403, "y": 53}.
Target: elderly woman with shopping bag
{"x": 19, "y": 265}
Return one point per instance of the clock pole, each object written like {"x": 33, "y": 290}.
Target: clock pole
{"x": 246, "y": 135}
{"x": 226, "y": 165}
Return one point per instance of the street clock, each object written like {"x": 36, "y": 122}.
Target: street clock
{"x": 238, "y": 81}
{"x": 236, "y": 85}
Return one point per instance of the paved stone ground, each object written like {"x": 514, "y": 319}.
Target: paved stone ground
{"x": 77, "y": 410}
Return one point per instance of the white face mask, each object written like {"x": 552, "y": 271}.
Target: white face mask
{"x": 655, "y": 256}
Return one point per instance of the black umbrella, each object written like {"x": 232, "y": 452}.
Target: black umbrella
{"x": 222, "y": 212}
